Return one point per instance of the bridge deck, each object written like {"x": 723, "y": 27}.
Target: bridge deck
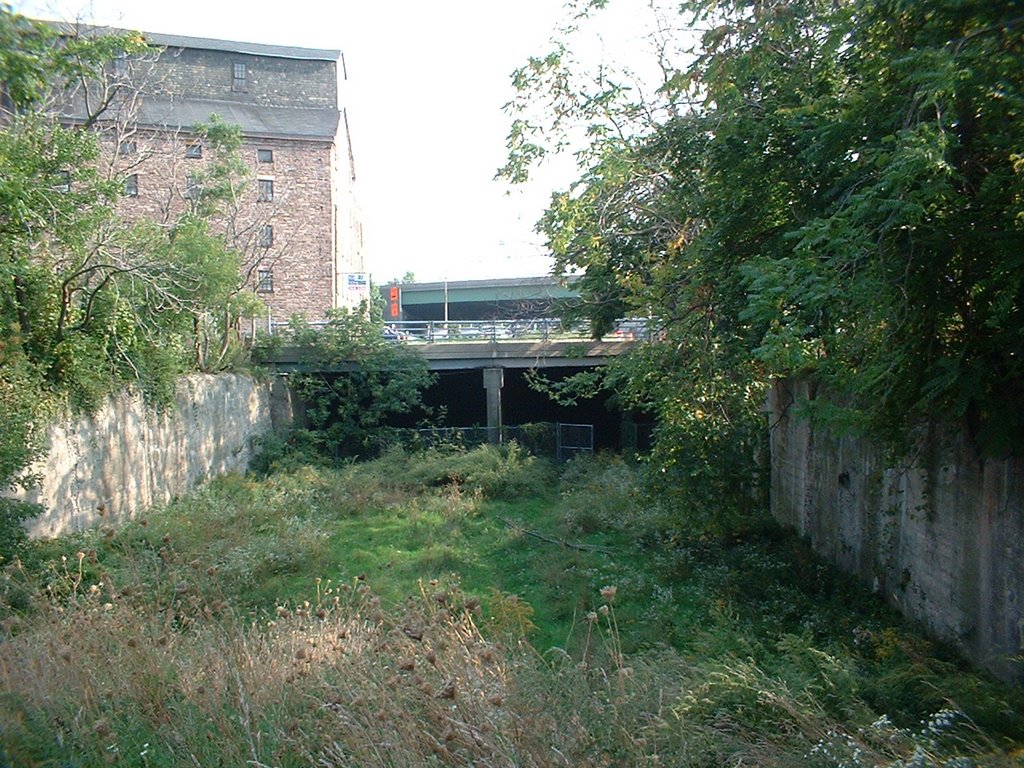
{"x": 471, "y": 355}
{"x": 463, "y": 355}
{"x": 468, "y": 345}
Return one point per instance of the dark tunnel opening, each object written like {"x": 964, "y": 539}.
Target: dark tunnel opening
{"x": 461, "y": 394}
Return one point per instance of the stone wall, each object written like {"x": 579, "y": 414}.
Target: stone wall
{"x": 940, "y": 535}
{"x": 108, "y": 466}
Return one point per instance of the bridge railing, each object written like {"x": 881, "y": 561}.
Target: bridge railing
{"x": 435, "y": 331}
{"x": 540, "y": 329}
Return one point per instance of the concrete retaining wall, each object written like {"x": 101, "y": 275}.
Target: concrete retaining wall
{"x": 941, "y": 536}
{"x": 126, "y": 457}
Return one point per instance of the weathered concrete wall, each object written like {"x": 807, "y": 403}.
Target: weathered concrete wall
{"x": 126, "y": 456}
{"x": 941, "y": 537}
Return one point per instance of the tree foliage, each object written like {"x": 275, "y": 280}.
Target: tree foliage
{"x": 91, "y": 301}
{"x": 824, "y": 188}
{"x": 68, "y": 272}
{"x": 216, "y": 239}
{"x": 364, "y": 381}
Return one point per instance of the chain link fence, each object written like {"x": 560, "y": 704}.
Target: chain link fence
{"x": 556, "y": 440}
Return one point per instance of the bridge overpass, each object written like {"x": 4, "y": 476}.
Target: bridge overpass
{"x": 491, "y": 347}
{"x": 470, "y": 355}
{"x": 474, "y": 344}
{"x": 475, "y": 355}
{"x": 477, "y": 299}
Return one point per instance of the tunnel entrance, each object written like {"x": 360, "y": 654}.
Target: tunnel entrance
{"x": 458, "y": 399}
{"x": 462, "y": 396}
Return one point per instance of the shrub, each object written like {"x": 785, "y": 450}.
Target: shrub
{"x": 13, "y": 536}
{"x": 505, "y": 471}
{"x": 601, "y": 493}
{"x": 285, "y": 451}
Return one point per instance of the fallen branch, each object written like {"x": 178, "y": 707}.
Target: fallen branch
{"x": 558, "y": 542}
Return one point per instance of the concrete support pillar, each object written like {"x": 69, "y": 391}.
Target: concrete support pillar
{"x": 494, "y": 380}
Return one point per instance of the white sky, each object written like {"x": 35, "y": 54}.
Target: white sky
{"x": 426, "y": 85}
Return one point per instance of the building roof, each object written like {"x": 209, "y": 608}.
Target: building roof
{"x": 252, "y": 119}
{"x": 257, "y": 49}
{"x": 203, "y": 43}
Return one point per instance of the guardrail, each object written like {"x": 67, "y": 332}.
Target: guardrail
{"x": 541, "y": 329}
{"x": 436, "y": 331}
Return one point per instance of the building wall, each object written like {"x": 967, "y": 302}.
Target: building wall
{"x": 303, "y": 221}
{"x": 316, "y": 231}
{"x": 278, "y": 82}
{"x": 940, "y": 534}
{"x": 348, "y": 229}
{"x": 301, "y": 256}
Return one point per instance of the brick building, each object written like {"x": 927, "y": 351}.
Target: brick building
{"x": 295, "y": 222}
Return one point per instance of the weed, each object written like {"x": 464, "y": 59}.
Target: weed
{"x": 600, "y": 493}
{"x": 13, "y": 536}
{"x": 505, "y": 471}
{"x": 238, "y": 627}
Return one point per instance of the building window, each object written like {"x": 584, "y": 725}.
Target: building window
{"x": 192, "y": 188}
{"x": 119, "y": 65}
{"x": 266, "y": 236}
{"x": 239, "y": 77}
{"x": 131, "y": 186}
{"x": 264, "y": 281}
{"x": 194, "y": 150}
{"x": 127, "y": 148}
{"x": 264, "y": 155}
{"x": 265, "y": 190}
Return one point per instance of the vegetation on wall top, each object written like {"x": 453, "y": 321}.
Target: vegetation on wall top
{"x": 91, "y": 301}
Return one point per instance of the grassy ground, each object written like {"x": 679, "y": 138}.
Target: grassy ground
{"x": 465, "y": 609}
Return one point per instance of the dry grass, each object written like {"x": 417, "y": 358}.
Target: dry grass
{"x": 100, "y": 678}
{"x": 336, "y": 681}
{"x": 148, "y": 650}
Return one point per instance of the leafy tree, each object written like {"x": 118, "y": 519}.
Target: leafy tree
{"x": 363, "y": 382}
{"x": 823, "y": 188}
{"x": 218, "y": 238}
{"x": 90, "y": 302}
{"x": 69, "y": 272}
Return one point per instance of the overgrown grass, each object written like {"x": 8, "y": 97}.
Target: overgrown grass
{"x": 465, "y": 608}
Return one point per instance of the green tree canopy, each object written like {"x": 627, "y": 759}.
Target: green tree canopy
{"x": 89, "y": 301}
{"x": 68, "y": 271}
{"x": 364, "y": 382}
{"x": 823, "y": 187}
